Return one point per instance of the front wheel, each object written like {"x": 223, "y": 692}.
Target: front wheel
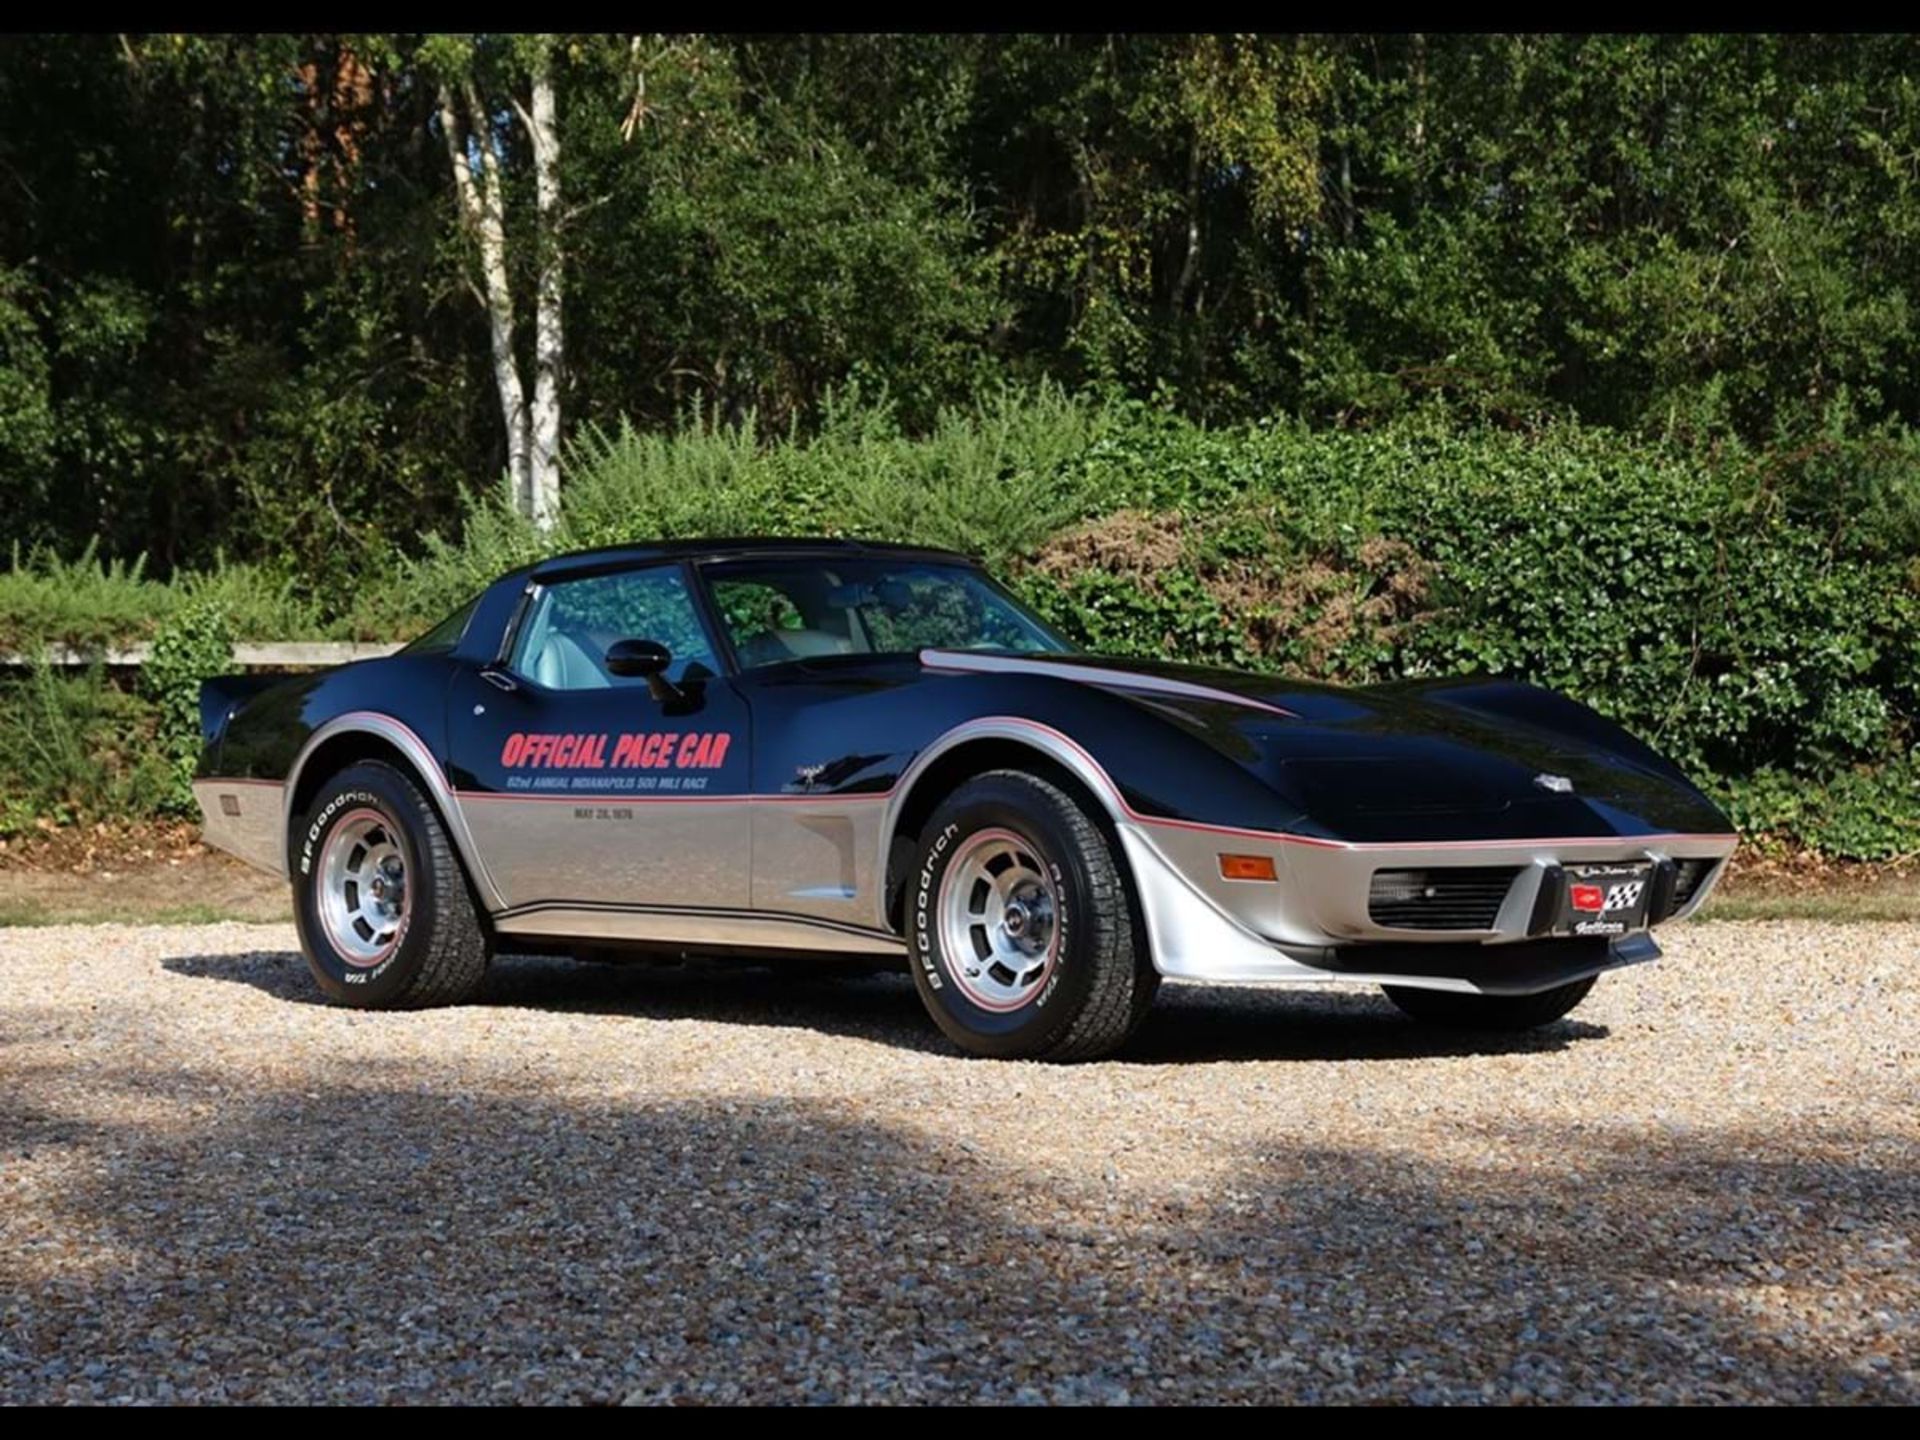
{"x": 1489, "y": 1012}
{"x": 1024, "y": 942}
{"x": 382, "y": 906}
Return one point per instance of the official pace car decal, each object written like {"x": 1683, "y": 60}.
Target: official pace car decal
{"x": 604, "y": 761}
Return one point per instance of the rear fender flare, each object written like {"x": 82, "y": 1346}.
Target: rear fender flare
{"x": 426, "y": 771}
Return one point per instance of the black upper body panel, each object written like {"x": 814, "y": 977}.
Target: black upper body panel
{"x": 615, "y": 557}
{"x": 1451, "y": 760}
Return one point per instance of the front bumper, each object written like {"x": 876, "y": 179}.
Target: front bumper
{"x": 1312, "y": 924}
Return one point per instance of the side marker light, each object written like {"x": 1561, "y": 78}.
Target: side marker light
{"x": 1247, "y": 867}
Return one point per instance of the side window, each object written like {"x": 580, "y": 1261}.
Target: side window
{"x": 563, "y": 639}
{"x": 447, "y": 633}
{"x": 753, "y": 608}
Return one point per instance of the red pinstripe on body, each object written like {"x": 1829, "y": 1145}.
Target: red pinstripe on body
{"x": 645, "y": 798}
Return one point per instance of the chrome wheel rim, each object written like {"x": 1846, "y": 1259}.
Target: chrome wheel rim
{"x": 999, "y": 919}
{"x": 361, "y": 888}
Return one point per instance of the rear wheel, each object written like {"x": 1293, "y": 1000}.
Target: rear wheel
{"x": 1024, "y": 942}
{"x": 1489, "y": 1012}
{"x": 385, "y": 917}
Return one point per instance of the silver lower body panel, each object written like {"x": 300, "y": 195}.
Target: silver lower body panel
{"x": 245, "y": 818}
{"x": 634, "y": 852}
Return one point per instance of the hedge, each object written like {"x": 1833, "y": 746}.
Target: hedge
{"x": 1755, "y": 615}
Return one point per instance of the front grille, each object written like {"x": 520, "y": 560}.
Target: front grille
{"x": 1459, "y": 897}
{"x": 1688, "y": 877}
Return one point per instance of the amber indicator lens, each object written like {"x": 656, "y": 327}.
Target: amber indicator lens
{"x": 1247, "y": 867}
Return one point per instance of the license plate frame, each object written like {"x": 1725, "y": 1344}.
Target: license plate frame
{"x": 1622, "y": 888}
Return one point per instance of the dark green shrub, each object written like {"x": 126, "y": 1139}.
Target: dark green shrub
{"x": 75, "y": 749}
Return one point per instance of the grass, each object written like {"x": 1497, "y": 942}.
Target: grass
{"x": 194, "y": 889}
{"x": 17, "y": 914}
{"x": 1836, "y": 907}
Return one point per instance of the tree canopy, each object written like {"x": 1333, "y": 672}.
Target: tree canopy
{"x": 236, "y": 306}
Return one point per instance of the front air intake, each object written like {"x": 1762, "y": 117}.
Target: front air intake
{"x": 1453, "y": 898}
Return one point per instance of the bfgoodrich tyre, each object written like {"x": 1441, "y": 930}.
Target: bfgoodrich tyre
{"x": 385, "y": 916}
{"x": 1022, "y": 936}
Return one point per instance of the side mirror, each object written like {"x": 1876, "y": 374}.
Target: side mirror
{"x": 648, "y": 658}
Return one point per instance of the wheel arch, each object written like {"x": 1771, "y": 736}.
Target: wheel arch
{"x": 979, "y": 746}
{"x": 367, "y": 735}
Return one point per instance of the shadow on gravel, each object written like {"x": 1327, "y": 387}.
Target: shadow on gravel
{"x": 415, "y": 1232}
{"x": 1193, "y": 1024}
{"x": 1189, "y": 1024}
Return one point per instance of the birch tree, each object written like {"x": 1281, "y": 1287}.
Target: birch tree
{"x": 549, "y": 338}
{"x": 475, "y": 134}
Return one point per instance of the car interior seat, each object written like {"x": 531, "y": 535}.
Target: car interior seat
{"x": 565, "y": 663}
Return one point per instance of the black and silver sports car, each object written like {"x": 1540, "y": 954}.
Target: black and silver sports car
{"x": 861, "y": 750}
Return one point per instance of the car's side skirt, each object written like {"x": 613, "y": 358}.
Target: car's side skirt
{"x": 692, "y": 925}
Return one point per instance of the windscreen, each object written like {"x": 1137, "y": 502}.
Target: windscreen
{"x": 779, "y": 610}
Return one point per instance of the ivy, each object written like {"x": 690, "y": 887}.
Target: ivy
{"x": 192, "y": 645}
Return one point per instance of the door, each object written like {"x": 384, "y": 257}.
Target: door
{"x": 589, "y": 792}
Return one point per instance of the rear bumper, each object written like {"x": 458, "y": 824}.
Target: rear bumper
{"x": 1312, "y": 925}
{"x": 246, "y": 819}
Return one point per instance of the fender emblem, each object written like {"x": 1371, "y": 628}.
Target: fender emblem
{"x": 1559, "y": 784}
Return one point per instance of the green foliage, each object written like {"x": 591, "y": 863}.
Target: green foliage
{"x": 993, "y": 480}
{"x": 75, "y": 749}
{"x": 1865, "y": 813}
{"x": 194, "y": 644}
{"x": 235, "y": 314}
{"x": 1121, "y": 615}
{"x": 775, "y": 255}
{"x": 87, "y": 603}
{"x": 90, "y": 603}
{"x": 258, "y": 602}
{"x": 28, "y": 428}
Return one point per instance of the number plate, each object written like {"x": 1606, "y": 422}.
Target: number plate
{"x": 1604, "y": 899}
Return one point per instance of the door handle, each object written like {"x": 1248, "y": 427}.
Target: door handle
{"x": 499, "y": 679}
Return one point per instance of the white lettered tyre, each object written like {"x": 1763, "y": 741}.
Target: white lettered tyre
{"x": 384, "y": 913}
{"x": 1023, "y": 936}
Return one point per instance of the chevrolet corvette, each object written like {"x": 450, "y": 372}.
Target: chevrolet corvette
{"x": 780, "y": 748}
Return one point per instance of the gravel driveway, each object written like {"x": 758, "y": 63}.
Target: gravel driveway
{"x": 666, "y": 1185}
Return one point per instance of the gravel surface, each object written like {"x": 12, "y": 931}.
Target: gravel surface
{"x": 646, "y": 1185}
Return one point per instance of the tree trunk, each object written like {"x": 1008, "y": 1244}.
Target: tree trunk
{"x": 549, "y": 342}
{"x": 482, "y": 202}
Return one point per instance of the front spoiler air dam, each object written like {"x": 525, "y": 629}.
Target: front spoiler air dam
{"x": 1194, "y": 938}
